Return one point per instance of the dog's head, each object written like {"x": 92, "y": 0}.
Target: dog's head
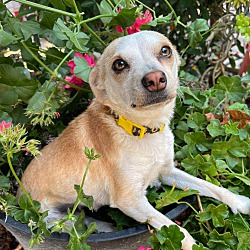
{"x": 138, "y": 71}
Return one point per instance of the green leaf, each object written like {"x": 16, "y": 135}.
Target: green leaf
{"x": 218, "y": 214}
{"x": 239, "y": 224}
{"x": 234, "y": 146}
{"x": 197, "y": 140}
{"x": 124, "y": 18}
{"x": 245, "y": 179}
{"x": 167, "y": 238}
{"x": 232, "y": 128}
{"x": 194, "y": 35}
{"x": 58, "y": 4}
{"x": 225, "y": 241}
{"x": 77, "y": 39}
{"x": 82, "y": 69}
{"x": 215, "y": 129}
{"x": 36, "y": 103}
{"x": 15, "y": 84}
{"x": 246, "y": 78}
{"x": 181, "y": 129}
{"x": 190, "y": 97}
{"x": 79, "y": 224}
{"x": 121, "y": 220}
{"x": 244, "y": 242}
{"x": 105, "y": 8}
{"x": 87, "y": 200}
{"x": 199, "y": 247}
{"x": 4, "y": 116}
{"x": 4, "y": 182}
{"x": 6, "y": 38}
{"x": 198, "y": 164}
{"x": 26, "y": 29}
{"x": 157, "y": 21}
{"x": 232, "y": 86}
{"x": 169, "y": 197}
{"x": 196, "y": 121}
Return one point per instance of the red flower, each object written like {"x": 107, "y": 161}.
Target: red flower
{"x": 4, "y": 125}
{"x": 74, "y": 79}
{"x": 146, "y": 17}
{"x": 144, "y": 248}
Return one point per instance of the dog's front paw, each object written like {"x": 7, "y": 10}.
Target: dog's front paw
{"x": 239, "y": 203}
{"x": 188, "y": 241}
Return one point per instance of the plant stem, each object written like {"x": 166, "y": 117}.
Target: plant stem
{"x": 38, "y": 60}
{"x": 175, "y": 16}
{"x": 245, "y": 223}
{"x": 40, "y": 6}
{"x": 111, "y": 4}
{"x": 20, "y": 183}
{"x": 81, "y": 187}
{"x": 145, "y": 6}
{"x": 95, "y": 18}
{"x": 184, "y": 202}
{"x": 75, "y": 87}
{"x": 94, "y": 35}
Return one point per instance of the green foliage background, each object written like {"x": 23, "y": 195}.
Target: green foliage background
{"x": 32, "y": 93}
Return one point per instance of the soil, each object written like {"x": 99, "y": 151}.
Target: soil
{"x": 7, "y": 241}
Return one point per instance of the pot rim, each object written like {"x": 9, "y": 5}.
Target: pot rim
{"x": 99, "y": 237}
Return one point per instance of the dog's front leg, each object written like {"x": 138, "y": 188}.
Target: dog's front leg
{"x": 183, "y": 181}
{"x": 138, "y": 208}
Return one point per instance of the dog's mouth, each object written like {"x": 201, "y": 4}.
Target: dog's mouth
{"x": 157, "y": 101}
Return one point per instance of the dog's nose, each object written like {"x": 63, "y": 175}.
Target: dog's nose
{"x": 154, "y": 81}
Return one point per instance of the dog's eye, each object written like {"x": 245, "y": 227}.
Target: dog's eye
{"x": 119, "y": 65}
{"x": 166, "y": 51}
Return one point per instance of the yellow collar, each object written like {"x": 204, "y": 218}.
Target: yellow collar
{"x": 135, "y": 129}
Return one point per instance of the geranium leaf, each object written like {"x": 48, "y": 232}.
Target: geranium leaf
{"x": 234, "y": 146}
{"x": 105, "y": 8}
{"x": 232, "y": 86}
{"x": 169, "y": 197}
{"x": 82, "y": 69}
{"x": 124, "y": 18}
{"x": 244, "y": 242}
{"x": 245, "y": 179}
{"x": 196, "y": 121}
{"x": 15, "y": 84}
{"x": 167, "y": 238}
{"x": 6, "y": 38}
{"x": 218, "y": 214}
{"x": 194, "y": 35}
{"x": 87, "y": 200}
{"x": 26, "y": 29}
{"x": 121, "y": 220}
{"x": 225, "y": 241}
{"x": 215, "y": 129}
{"x": 198, "y": 140}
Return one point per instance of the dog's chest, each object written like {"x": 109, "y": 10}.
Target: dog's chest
{"x": 146, "y": 158}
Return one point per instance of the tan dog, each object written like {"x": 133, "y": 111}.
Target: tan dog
{"x": 135, "y": 80}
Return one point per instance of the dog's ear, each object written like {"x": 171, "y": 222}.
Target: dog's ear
{"x": 96, "y": 81}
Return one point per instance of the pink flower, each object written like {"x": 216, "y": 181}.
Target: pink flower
{"x": 145, "y": 17}
{"x": 143, "y": 248}
{"x": 74, "y": 79}
{"x": 4, "y": 125}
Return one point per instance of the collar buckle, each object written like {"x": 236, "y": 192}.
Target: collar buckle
{"x": 131, "y": 128}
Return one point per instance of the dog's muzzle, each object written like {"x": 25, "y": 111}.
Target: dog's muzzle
{"x": 154, "y": 81}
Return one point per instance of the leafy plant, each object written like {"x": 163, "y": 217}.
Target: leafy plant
{"x": 44, "y": 87}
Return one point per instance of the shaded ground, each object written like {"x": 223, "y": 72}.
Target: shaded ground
{"x": 7, "y": 241}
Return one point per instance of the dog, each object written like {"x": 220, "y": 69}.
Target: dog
{"x": 135, "y": 83}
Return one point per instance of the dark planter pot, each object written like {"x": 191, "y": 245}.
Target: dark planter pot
{"x": 127, "y": 239}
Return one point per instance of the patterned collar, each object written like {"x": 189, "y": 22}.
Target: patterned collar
{"x": 133, "y": 128}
